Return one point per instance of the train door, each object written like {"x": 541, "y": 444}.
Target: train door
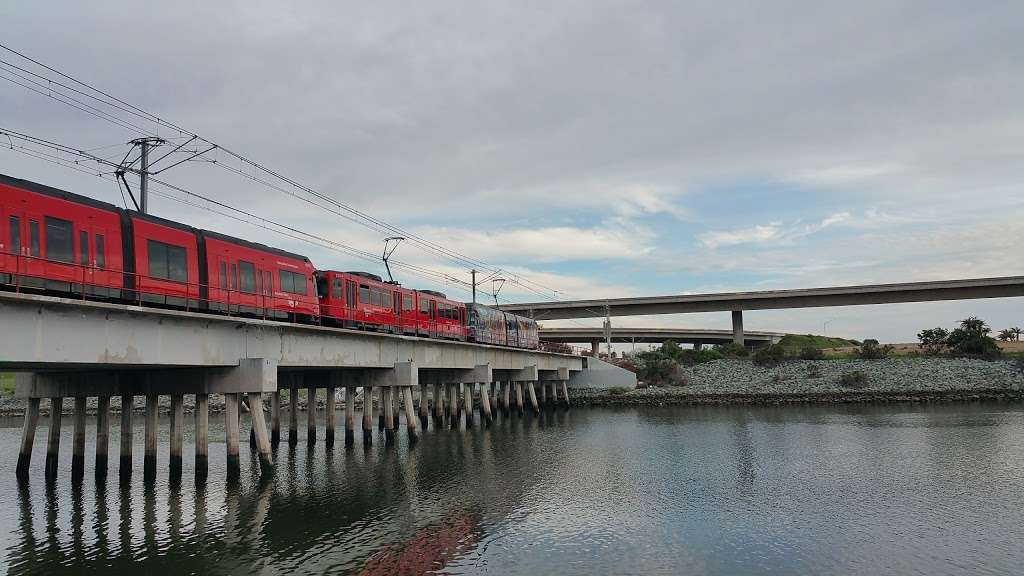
{"x": 12, "y": 241}
{"x": 83, "y": 259}
{"x": 32, "y": 263}
{"x": 351, "y": 290}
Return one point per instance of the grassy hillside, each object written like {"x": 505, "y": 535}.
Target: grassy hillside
{"x": 6, "y": 385}
{"x": 798, "y": 341}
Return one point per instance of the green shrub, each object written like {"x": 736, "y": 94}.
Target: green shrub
{"x": 855, "y": 379}
{"x": 933, "y": 340}
{"x": 618, "y": 390}
{"x": 732, "y": 350}
{"x": 972, "y": 339}
{"x": 661, "y": 372}
{"x": 770, "y": 356}
{"x": 692, "y": 357}
{"x": 870, "y": 350}
{"x": 811, "y": 353}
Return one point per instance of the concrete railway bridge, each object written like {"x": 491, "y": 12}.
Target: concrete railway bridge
{"x": 66, "y": 348}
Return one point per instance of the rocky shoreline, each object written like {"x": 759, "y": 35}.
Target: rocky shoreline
{"x": 741, "y": 382}
{"x": 818, "y": 381}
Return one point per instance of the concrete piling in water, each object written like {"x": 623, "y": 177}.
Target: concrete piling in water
{"x": 381, "y": 411}
{"x": 275, "y": 417}
{"x": 565, "y": 393}
{"x": 438, "y": 404}
{"x": 396, "y": 409}
{"x": 293, "y": 413}
{"x": 387, "y": 411}
{"x": 102, "y": 435}
{"x": 410, "y": 414}
{"x": 424, "y": 409}
{"x": 453, "y": 403}
{"x": 543, "y": 394}
{"x": 53, "y": 440}
{"x": 28, "y": 436}
{"x": 202, "y": 436}
{"x": 149, "y": 454}
{"x": 329, "y": 417}
{"x": 554, "y": 393}
{"x": 310, "y": 415}
{"x": 231, "y": 432}
{"x": 506, "y": 394}
{"x": 495, "y": 401}
{"x": 519, "y": 397}
{"x": 78, "y": 441}
{"x": 177, "y": 434}
{"x": 125, "y": 465}
{"x": 485, "y": 403}
{"x": 532, "y": 395}
{"x": 367, "y": 416}
{"x": 350, "y": 415}
{"x": 259, "y": 428}
{"x": 467, "y": 401}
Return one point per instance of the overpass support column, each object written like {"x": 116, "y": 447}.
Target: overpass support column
{"x": 595, "y": 348}
{"x": 737, "y": 327}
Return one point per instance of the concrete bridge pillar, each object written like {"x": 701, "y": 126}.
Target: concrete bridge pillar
{"x": 28, "y": 435}
{"x": 737, "y": 327}
{"x": 329, "y": 416}
{"x": 293, "y": 409}
{"x": 78, "y": 441}
{"x": 310, "y": 412}
{"x": 125, "y": 466}
{"x": 177, "y": 434}
{"x": 202, "y": 416}
{"x": 231, "y": 432}
{"x": 275, "y": 417}
{"x": 53, "y": 441}
{"x": 350, "y": 415}
{"x": 595, "y": 348}
{"x": 367, "y": 415}
{"x": 410, "y": 413}
{"x": 485, "y": 403}
{"x": 102, "y": 434}
{"x": 150, "y": 423}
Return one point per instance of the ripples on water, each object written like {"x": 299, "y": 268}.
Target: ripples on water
{"x": 834, "y": 490}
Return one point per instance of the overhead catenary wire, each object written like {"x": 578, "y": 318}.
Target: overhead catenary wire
{"x": 340, "y": 209}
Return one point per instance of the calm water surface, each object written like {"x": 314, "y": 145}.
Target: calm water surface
{"x": 819, "y": 490}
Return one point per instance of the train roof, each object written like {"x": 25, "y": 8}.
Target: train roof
{"x": 57, "y": 193}
{"x": 253, "y": 245}
{"x": 434, "y": 293}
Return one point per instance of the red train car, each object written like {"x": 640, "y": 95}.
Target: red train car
{"x": 364, "y": 300}
{"x": 439, "y": 317}
{"x": 248, "y": 278}
{"x": 55, "y": 240}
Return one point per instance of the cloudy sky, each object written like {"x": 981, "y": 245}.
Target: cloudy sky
{"x": 599, "y": 149}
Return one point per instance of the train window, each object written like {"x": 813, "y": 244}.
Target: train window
{"x": 425, "y": 306}
{"x": 101, "y": 251}
{"x": 336, "y": 289}
{"x": 59, "y": 240}
{"x": 268, "y": 284}
{"x": 321, "y": 286}
{"x": 33, "y": 238}
{"x": 246, "y": 277}
{"x": 385, "y": 299}
{"x": 233, "y": 279}
{"x": 350, "y": 294}
{"x": 407, "y": 303}
{"x": 364, "y": 294}
{"x": 223, "y": 275}
{"x": 292, "y": 282}
{"x": 83, "y": 247}
{"x": 375, "y": 297}
{"x": 167, "y": 261}
{"x": 397, "y": 302}
{"x": 15, "y": 235}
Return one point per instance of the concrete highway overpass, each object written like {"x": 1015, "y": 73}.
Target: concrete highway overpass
{"x": 737, "y": 302}
{"x": 696, "y": 336}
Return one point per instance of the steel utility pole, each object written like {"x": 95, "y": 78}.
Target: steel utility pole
{"x": 144, "y": 145}
{"x": 473, "y": 272}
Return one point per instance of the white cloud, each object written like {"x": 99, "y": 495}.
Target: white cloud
{"x": 755, "y": 234}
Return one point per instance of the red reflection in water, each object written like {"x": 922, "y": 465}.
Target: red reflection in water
{"x": 431, "y": 549}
